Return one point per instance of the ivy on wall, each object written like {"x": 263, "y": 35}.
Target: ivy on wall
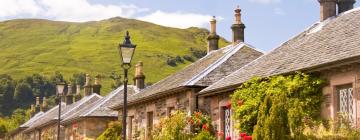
{"x": 277, "y": 107}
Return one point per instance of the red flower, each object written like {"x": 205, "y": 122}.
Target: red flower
{"x": 242, "y": 134}
{"x": 228, "y": 105}
{"x": 248, "y": 138}
{"x": 220, "y": 134}
{"x": 228, "y": 138}
{"x": 205, "y": 127}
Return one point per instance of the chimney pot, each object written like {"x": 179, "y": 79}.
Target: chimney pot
{"x": 238, "y": 27}
{"x": 44, "y": 104}
{"x": 97, "y": 86}
{"x": 327, "y": 9}
{"x": 139, "y": 75}
{"x": 69, "y": 96}
{"x": 87, "y": 86}
{"x": 37, "y": 105}
{"x": 345, "y": 5}
{"x": 213, "y": 38}
{"x": 78, "y": 96}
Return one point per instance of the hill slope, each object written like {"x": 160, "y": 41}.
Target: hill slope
{"x": 42, "y": 46}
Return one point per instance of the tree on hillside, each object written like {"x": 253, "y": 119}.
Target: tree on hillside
{"x": 6, "y": 94}
{"x": 116, "y": 80}
{"x": 23, "y": 94}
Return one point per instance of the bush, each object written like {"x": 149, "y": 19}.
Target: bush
{"x": 113, "y": 132}
{"x": 204, "y": 135}
{"x": 275, "y": 107}
{"x": 197, "y": 53}
{"x": 188, "y": 58}
{"x": 171, "y": 61}
{"x": 172, "y": 128}
{"x": 339, "y": 128}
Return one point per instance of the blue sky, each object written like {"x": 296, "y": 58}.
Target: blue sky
{"x": 268, "y": 22}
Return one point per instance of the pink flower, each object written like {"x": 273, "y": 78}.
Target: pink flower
{"x": 205, "y": 127}
{"x": 242, "y": 135}
{"x": 220, "y": 134}
{"x": 228, "y": 138}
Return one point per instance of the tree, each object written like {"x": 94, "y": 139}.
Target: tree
{"x": 275, "y": 107}
{"x": 116, "y": 80}
{"x": 23, "y": 94}
{"x": 6, "y": 94}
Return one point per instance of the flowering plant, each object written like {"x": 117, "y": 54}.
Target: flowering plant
{"x": 200, "y": 122}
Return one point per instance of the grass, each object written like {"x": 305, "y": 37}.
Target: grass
{"x": 41, "y": 46}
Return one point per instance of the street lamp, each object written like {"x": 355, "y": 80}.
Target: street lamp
{"x": 126, "y": 51}
{"x": 60, "y": 91}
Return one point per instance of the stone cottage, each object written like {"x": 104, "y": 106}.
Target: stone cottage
{"x": 330, "y": 48}
{"x": 92, "y": 120}
{"x": 179, "y": 91}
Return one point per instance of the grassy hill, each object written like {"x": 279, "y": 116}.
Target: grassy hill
{"x": 42, "y": 46}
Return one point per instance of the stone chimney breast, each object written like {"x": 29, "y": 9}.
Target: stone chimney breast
{"x": 327, "y": 9}
{"x": 139, "y": 75}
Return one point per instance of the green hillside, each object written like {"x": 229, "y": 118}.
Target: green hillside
{"x": 42, "y": 46}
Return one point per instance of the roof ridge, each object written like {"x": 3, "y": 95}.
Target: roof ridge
{"x": 107, "y": 98}
{"x": 214, "y": 65}
{"x": 82, "y": 102}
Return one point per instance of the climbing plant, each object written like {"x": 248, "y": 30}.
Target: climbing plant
{"x": 275, "y": 107}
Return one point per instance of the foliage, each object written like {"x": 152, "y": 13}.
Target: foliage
{"x": 117, "y": 81}
{"x": 113, "y": 132}
{"x": 204, "y": 135}
{"x": 172, "y": 128}
{"x": 275, "y": 107}
{"x": 200, "y": 122}
{"x": 339, "y": 128}
{"x": 43, "y": 46}
{"x": 197, "y": 53}
{"x": 8, "y": 124}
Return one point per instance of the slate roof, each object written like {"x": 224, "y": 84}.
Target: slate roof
{"x": 51, "y": 115}
{"x": 203, "y": 72}
{"x": 100, "y": 108}
{"x": 326, "y": 42}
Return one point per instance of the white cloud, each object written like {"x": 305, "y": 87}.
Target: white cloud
{"x": 265, "y": 1}
{"x": 178, "y": 19}
{"x": 83, "y": 10}
{"x": 67, "y": 10}
{"x": 279, "y": 11}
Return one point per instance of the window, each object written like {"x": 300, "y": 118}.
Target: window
{"x": 226, "y": 121}
{"x": 346, "y": 101}
{"x": 170, "y": 110}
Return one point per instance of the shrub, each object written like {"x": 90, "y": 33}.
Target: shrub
{"x": 197, "y": 53}
{"x": 172, "y": 128}
{"x": 275, "y": 107}
{"x": 113, "y": 132}
{"x": 171, "y": 61}
{"x": 204, "y": 135}
{"x": 188, "y": 58}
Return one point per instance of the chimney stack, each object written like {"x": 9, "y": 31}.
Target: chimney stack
{"x": 213, "y": 38}
{"x": 32, "y": 110}
{"x": 37, "y": 105}
{"x": 69, "y": 95}
{"x": 238, "y": 27}
{"x": 97, "y": 85}
{"x": 78, "y": 94}
{"x": 87, "y": 86}
{"x": 327, "y": 9}
{"x": 139, "y": 75}
{"x": 345, "y": 5}
{"x": 44, "y": 105}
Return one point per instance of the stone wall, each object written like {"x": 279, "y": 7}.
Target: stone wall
{"x": 138, "y": 115}
{"x": 337, "y": 77}
{"x": 89, "y": 128}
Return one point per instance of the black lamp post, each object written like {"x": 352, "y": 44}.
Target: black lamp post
{"x": 126, "y": 51}
{"x": 60, "y": 92}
